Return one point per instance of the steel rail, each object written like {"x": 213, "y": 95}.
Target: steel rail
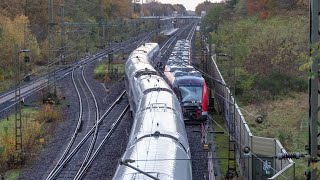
{"x": 97, "y": 122}
{"x": 65, "y": 72}
{"x": 107, "y": 137}
{"x": 94, "y": 138}
{"x": 77, "y": 127}
{"x": 84, "y": 139}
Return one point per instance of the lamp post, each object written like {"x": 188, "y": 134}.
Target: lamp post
{"x": 231, "y": 123}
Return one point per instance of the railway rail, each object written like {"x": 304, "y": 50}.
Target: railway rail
{"x": 168, "y": 45}
{"x": 119, "y": 105}
{"x": 89, "y": 136}
{"x": 7, "y": 99}
{"x": 80, "y": 151}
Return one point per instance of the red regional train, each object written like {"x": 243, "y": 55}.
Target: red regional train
{"x": 187, "y": 83}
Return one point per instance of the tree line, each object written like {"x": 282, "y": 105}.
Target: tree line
{"x": 25, "y": 23}
{"x": 268, "y": 41}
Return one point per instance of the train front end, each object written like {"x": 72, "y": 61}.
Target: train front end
{"x": 193, "y": 95}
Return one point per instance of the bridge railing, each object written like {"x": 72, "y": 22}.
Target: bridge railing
{"x": 264, "y": 150}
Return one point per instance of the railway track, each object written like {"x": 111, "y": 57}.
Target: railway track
{"x": 93, "y": 130}
{"x": 7, "y": 99}
{"x": 185, "y": 33}
{"x": 89, "y": 137}
{"x": 69, "y": 165}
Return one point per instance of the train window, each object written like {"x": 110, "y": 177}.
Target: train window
{"x": 190, "y": 93}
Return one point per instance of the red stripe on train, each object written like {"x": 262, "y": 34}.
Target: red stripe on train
{"x": 205, "y": 98}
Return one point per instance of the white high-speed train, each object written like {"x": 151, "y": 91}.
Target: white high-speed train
{"x": 158, "y": 145}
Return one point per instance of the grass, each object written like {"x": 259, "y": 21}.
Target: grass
{"x": 36, "y": 125}
{"x": 286, "y": 120}
{"x": 119, "y": 67}
{"x": 101, "y": 72}
{"x": 12, "y": 174}
{"x": 6, "y": 84}
{"x": 7, "y": 132}
{"x": 7, "y": 136}
{"x": 220, "y": 141}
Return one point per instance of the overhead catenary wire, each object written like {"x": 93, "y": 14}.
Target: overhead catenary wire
{"x": 242, "y": 146}
{"x": 221, "y": 83}
{"x": 234, "y": 103}
{"x": 251, "y": 114}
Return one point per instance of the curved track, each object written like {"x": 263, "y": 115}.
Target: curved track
{"x": 85, "y": 144}
{"x": 92, "y": 131}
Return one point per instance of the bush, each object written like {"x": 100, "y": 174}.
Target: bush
{"x": 279, "y": 84}
{"x": 34, "y": 127}
{"x": 48, "y": 113}
{"x": 267, "y": 54}
{"x": 100, "y": 71}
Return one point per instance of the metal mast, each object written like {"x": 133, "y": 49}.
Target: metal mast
{"x": 50, "y": 45}
{"x": 103, "y": 39}
{"x": 232, "y": 169}
{"x": 62, "y": 50}
{"x": 18, "y": 124}
{"x": 313, "y": 88}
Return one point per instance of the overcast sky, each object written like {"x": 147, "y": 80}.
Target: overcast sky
{"x": 189, "y": 4}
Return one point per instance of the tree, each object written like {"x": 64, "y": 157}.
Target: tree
{"x": 232, "y": 3}
{"x": 214, "y": 16}
{"x": 205, "y": 6}
{"x": 241, "y": 8}
{"x": 180, "y": 9}
{"x": 11, "y": 8}
{"x": 158, "y": 9}
{"x": 13, "y": 32}
{"x": 116, "y": 9}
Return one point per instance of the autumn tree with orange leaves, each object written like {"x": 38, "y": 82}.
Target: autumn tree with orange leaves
{"x": 258, "y": 7}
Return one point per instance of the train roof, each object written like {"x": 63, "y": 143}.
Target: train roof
{"x": 175, "y": 67}
{"x": 191, "y": 73}
{"x": 157, "y": 148}
{"x": 183, "y": 41}
{"x": 138, "y": 63}
{"x": 147, "y": 46}
{"x": 150, "y": 82}
{"x": 179, "y": 53}
{"x": 144, "y": 48}
{"x": 181, "y": 48}
{"x": 178, "y": 56}
{"x": 176, "y": 63}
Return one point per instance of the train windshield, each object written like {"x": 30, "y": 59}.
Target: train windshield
{"x": 190, "y": 93}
